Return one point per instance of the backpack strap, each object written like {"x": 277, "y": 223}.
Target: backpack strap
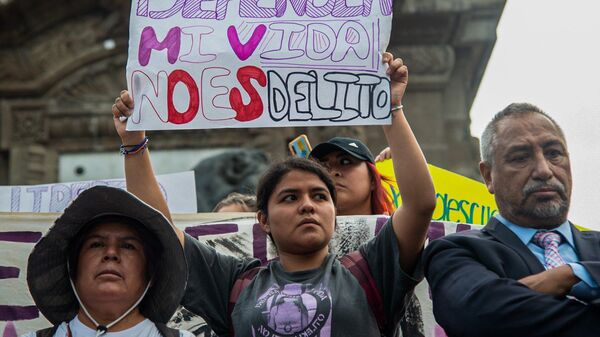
{"x": 166, "y": 331}
{"x": 358, "y": 266}
{"x": 48, "y": 332}
{"x": 238, "y": 286}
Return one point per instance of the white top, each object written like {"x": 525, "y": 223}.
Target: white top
{"x": 144, "y": 328}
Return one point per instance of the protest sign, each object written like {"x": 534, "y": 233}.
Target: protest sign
{"x": 249, "y": 63}
{"x": 235, "y": 234}
{"x": 179, "y": 190}
{"x": 459, "y": 199}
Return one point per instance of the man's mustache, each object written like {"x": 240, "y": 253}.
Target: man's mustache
{"x": 538, "y": 186}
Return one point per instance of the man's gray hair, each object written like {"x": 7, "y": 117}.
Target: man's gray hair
{"x": 488, "y": 138}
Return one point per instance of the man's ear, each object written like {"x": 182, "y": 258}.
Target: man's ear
{"x": 486, "y": 173}
{"x": 263, "y": 221}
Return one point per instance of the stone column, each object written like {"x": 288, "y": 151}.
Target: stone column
{"x": 24, "y": 136}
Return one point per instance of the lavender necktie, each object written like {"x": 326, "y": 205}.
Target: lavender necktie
{"x": 550, "y": 242}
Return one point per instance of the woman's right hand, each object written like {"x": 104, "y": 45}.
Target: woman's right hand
{"x": 385, "y": 154}
{"x": 123, "y": 107}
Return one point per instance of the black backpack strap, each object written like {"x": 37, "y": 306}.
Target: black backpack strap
{"x": 238, "y": 286}
{"x": 358, "y": 266}
{"x": 48, "y": 332}
{"x": 166, "y": 331}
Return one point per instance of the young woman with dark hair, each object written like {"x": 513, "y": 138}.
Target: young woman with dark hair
{"x": 356, "y": 177}
{"x": 296, "y": 202}
{"x": 358, "y": 183}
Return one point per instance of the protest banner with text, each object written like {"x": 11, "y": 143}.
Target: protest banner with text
{"x": 235, "y": 234}
{"x": 179, "y": 190}
{"x": 459, "y": 199}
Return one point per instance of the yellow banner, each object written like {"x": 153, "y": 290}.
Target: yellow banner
{"x": 459, "y": 199}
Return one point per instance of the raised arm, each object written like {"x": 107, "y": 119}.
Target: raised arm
{"x": 412, "y": 174}
{"x": 139, "y": 175}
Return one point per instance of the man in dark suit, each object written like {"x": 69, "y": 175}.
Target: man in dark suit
{"x": 529, "y": 271}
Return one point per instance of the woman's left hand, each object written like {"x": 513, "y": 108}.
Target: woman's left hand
{"x": 398, "y": 73}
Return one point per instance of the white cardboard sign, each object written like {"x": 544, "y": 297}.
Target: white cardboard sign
{"x": 178, "y": 188}
{"x": 253, "y": 63}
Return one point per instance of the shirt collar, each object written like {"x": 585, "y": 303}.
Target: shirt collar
{"x": 525, "y": 234}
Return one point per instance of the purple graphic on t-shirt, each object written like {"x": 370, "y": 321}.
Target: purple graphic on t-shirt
{"x": 294, "y": 310}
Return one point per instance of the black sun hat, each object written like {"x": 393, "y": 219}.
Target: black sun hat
{"x": 351, "y": 146}
{"x": 48, "y": 274}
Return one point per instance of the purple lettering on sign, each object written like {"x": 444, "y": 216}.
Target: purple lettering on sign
{"x": 379, "y": 224}
{"x": 221, "y": 9}
{"x": 319, "y": 11}
{"x": 177, "y": 6}
{"x": 299, "y": 6}
{"x": 148, "y": 42}
{"x": 37, "y": 197}
{"x": 342, "y": 10}
{"x": 386, "y": 7}
{"x": 251, "y": 9}
{"x": 26, "y": 237}
{"x": 245, "y": 50}
{"x": 436, "y": 230}
{"x": 461, "y": 227}
{"x": 60, "y": 197}
{"x": 15, "y": 199}
{"x": 18, "y": 313}
{"x": 323, "y": 39}
{"x": 77, "y": 188}
{"x": 195, "y": 55}
{"x": 9, "y": 272}
{"x": 439, "y": 331}
{"x": 356, "y": 39}
{"x": 9, "y": 330}
{"x": 214, "y": 229}
{"x": 192, "y": 9}
{"x": 142, "y": 8}
{"x": 284, "y": 50}
{"x": 259, "y": 243}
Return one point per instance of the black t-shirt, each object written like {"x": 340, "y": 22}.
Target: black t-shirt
{"x": 323, "y": 302}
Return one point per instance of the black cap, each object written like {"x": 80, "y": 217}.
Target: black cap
{"x": 351, "y": 146}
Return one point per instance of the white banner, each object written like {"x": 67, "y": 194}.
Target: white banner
{"x": 178, "y": 188}
{"x": 240, "y": 236}
{"x": 250, "y": 63}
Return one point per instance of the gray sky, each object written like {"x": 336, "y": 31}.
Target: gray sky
{"x": 548, "y": 54}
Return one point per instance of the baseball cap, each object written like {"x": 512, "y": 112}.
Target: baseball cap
{"x": 351, "y": 146}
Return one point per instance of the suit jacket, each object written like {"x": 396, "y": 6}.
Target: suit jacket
{"x": 473, "y": 278}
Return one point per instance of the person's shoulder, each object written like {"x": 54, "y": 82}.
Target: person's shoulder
{"x": 474, "y": 239}
{"x": 468, "y": 235}
{"x": 584, "y": 229}
{"x": 471, "y": 233}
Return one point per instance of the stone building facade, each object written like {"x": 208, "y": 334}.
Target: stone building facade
{"x": 62, "y": 62}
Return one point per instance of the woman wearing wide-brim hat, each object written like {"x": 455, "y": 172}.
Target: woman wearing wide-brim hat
{"x": 110, "y": 266}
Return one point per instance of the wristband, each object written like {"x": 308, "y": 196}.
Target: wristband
{"x": 396, "y": 107}
{"x": 133, "y": 149}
